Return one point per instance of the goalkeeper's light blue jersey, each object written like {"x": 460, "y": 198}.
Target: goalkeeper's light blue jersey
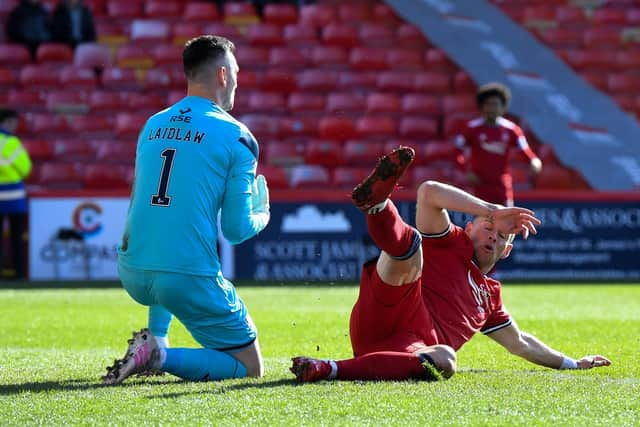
{"x": 193, "y": 161}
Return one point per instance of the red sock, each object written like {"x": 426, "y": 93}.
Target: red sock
{"x": 389, "y": 232}
{"x": 383, "y": 365}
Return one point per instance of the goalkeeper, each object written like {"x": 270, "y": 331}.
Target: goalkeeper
{"x": 194, "y": 161}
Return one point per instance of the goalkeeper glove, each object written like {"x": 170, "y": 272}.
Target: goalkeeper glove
{"x": 260, "y": 198}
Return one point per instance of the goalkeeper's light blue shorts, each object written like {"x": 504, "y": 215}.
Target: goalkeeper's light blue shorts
{"x": 209, "y": 307}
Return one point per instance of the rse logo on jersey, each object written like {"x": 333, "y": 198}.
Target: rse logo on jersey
{"x": 186, "y": 119}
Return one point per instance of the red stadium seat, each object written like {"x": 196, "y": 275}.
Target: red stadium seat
{"x": 288, "y": 58}
{"x": 167, "y": 56}
{"x": 145, "y": 103}
{"x": 384, "y": 14}
{"x": 296, "y": 128}
{"x": 453, "y": 123}
{"x": 157, "y": 79}
{"x": 176, "y": 95}
{"x": 128, "y": 125}
{"x": 432, "y": 82}
{"x": 633, "y": 16}
{"x": 358, "y": 152}
{"x": 134, "y": 56}
{"x": 317, "y": 15}
{"x": 317, "y": 80}
{"x": 540, "y": 16}
{"x": 418, "y": 127}
{"x": 92, "y": 55}
{"x": 111, "y": 33}
{"x": 338, "y": 34}
{"x": 452, "y": 104}
{"x": 301, "y": 102}
{"x": 124, "y": 9}
{"x": 558, "y": 178}
{"x": 25, "y": 100}
{"x": 405, "y": 59}
{"x": 276, "y": 80}
{"x": 186, "y": 30}
{"x": 276, "y": 177}
{"x": 463, "y": 83}
{"x": 609, "y": 16}
{"x": 54, "y": 53}
{"x": 627, "y": 59}
{"x": 150, "y": 30}
{"x": 368, "y": 58}
{"x": 623, "y": 83}
{"x": 253, "y": 58}
{"x": 72, "y": 150}
{"x": 285, "y": 153}
{"x": 263, "y": 126}
{"x": 267, "y": 102}
{"x": 602, "y": 38}
{"x": 38, "y": 149}
{"x": 354, "y": 12}
{"x": 300, "y": 35}
{"x": 417, "y": 103}
{"x": 268, "y": 35}
{"x": 396, "y": 81}
{"x": 248, "y": 80}
{"x": 7, "y": 78}
{"x": 348, "y": 177}
{"x": 106, "y": 177}
{"x": 383, "y": 103}
{"x": 376, "y": 35}
{"x": 562, "y": 37}
{"x": 324, "y": 153}
{"x": 240, "y": 13}
{"x": 445, "y": 151}
{"x": 437, "y": 60}
{"x": 335, "y": 57}
{"x": 280, "y": 14}
{"x": 350, "y": 80}
{"x": 107, "y": 102}
{"x": 163, "y": 9}
{"x": 39, "y": 77}
{"x": 91, "y": 126}
{"x": 226, "y": 30}
{"x": 78, "y": 78}
{"x": 341, "y": 102}
{"x": 200, "y": 12}
{"x": 408, "y": 35}
{"x": 338, "y": 128}
{"x": 419, "y": 174}
{"x": 570, "y": 16}
{"x": 309, "y": 176}
{"x": 376, "y": 127}
{"x": 70, "y": 102}
{"x": 114, "y": 78}
{"x": 14, "y": 55}
{"x": 598, "y": 79}
{"x": 58, "y": 175}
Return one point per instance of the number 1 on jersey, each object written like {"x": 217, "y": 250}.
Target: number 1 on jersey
{"x": 161, "y": 198}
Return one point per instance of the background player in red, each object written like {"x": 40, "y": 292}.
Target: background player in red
{"x": 428, "y": 293}
{"x": 487, "y": 143}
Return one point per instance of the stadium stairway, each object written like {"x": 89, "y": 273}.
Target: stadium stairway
{"x": 325, "y": 87}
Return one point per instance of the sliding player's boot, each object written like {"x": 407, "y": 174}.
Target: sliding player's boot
{"x": 310, "y": 370}
{"x": 379, "y": 185}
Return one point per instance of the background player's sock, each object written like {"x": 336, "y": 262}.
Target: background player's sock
{"x": 391, "y": 234}
{"x": 201, "y": 364}
{"x": 383, "y": 365}
{"x": 159, "y": 322}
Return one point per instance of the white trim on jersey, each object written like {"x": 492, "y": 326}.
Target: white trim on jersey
{"x": 496, "y": 327}
{"x": 506, "y": 123}
{"x": 436, "y": 235}
{"x": 474, "y": 123}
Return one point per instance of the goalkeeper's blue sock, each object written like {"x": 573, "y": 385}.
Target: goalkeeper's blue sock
{"x": 202, "y": 364}
{"x": 159, "y": 322}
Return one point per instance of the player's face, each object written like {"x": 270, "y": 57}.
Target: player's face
{"x": 232, "y": 70}
{"x": 489, "y": 245}
{"x": 492, "y": 108}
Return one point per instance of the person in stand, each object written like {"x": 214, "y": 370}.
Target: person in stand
{"x": 28, "y": 24}
{"x": 72, "y": 23}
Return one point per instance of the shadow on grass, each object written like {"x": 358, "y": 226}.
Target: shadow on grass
{"x": 66, "y": 385}
{"x": 225, "y": 387}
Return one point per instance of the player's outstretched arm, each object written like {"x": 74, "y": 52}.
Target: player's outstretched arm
{"x": 436, "y": 198}
{"x": 532, "y": 349}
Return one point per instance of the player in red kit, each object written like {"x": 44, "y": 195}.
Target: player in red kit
{"x": 428, "y": 292}
{"x": 487, "y": 142}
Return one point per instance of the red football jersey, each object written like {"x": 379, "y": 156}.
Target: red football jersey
{"x": 460, "y": 299}
{"x": 490, "y": 147}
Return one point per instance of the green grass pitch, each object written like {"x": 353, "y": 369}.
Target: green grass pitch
{"x": 54, "y": 345}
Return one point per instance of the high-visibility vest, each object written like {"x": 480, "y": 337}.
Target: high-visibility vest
{"x": 15, "y": 163}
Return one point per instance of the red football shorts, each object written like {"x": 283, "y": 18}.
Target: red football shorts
{"x": 389, "y": 318}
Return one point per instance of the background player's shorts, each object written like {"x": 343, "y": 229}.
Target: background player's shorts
{"x": 209, "y": 307}
{"x": 389, "y": 318}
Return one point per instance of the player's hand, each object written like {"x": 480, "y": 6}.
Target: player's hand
{"x": 515, "y": 220}
{"x": 536, "y": 165}
{"x": 596, "y": 361}
{"x": 260, "y": 195}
